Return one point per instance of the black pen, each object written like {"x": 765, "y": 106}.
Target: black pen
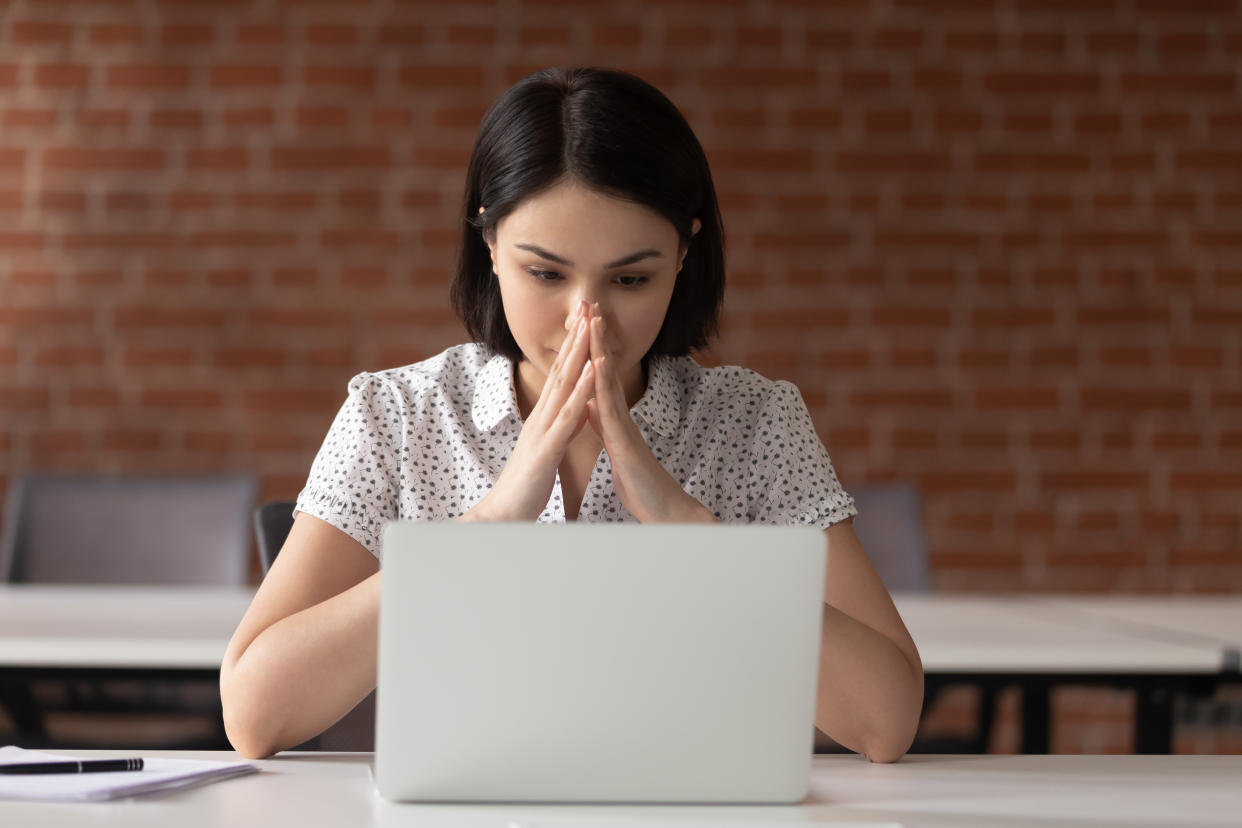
{"x": 76, "y": 766}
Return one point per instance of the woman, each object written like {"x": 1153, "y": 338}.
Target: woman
{"x": 592, "y": 264}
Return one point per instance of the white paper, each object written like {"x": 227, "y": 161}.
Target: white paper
{"x": 156, "y": 775}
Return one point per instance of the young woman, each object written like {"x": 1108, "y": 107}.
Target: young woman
{"x": 591, "y": 265}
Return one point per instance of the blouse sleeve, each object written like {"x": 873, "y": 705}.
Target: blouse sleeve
{"x": 802, "y": 486}
{"x": 353, "y": 483}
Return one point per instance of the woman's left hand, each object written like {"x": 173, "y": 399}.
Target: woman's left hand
{"x": 646, "y": 489}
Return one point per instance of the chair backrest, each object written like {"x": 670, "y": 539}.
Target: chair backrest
{"x": 272, "y": 522}
{"x": 165, "y": 529}
{"x": 890, "y": 528}
{"x": 356, "y": 730}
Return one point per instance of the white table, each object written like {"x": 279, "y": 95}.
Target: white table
{"x": 314, "y": 790}
{"x": 1210, "y": 619}
{"x": 106, "y": 627}
{"x": 1155, "y": 645}
{"x": 109, "y": 632}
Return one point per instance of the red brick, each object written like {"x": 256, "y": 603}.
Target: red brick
{"x": 331, "y": 34}
{"x": 1049, "y": 42}
{"x": 896, "y": 316}
{"x": 972, "y": 41}
{"x": 323, "y": 116}
{"x": 1024, "y": 398}
{"x": 222, "y": 159}
{"x": 357, "y": 78}
{"x": 292, "y": 400}
{"x": 1135, "y": 399}
{"x": 873, "y": 161}
{"x": 32, "y": 32}
{"x": 888, "y": 120}
{"x": 1104, "y": 478}
{"x": 1033, "y": 123}
{"x": 308, "y": 158}
{"x": 1209, "y": 160}
{"x": 1205, "y": 481}
{"x": 133, "y": 440}
{"x": 264, "y": 35}
{"x": 1124, "y": 317}
{"x": 727, "y": 78}
{"x": 623, "y": 36}
{"x": 677, "y": 36}
{"x": 898, "y": 39}
{"x": 1031, "y": 163}
{"x": 60, "y": 75}
{"x": 143, "y": 76}
{"x": 1165, "y": 121}
{"x": 912, "y": 398}
{"x": 1176, "y": 83}
{"x": 786, "y": 160}
{"x": 1041, "y": 83}
{"x": 234, "y": 76}
{"x": 815, "y": 117}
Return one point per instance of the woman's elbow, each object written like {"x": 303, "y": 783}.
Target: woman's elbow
{"x": 892, "y": 744}
{"x": 248, "y": 730}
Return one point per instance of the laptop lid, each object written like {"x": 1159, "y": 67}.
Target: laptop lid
{"x": 598, "y": 662}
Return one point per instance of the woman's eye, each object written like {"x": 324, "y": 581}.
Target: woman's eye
{"x": 553, "y": 276}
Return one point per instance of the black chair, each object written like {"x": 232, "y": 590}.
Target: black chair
{"x": 90, "y": 529}
{"x": 272, "y": 522}
{"x": 356, "y": 731}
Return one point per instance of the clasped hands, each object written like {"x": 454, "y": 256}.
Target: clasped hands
{"x": 584, "y": 386}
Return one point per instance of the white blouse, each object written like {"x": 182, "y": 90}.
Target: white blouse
{"x": 427, "y": 441}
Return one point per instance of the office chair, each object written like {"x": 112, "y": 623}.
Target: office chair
{"x": 890, "y": 528}
{"x": 79, "y": 529}
{"x": 356, "y": 730}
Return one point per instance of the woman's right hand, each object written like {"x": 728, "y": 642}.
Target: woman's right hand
{"x": 524, "y": 486}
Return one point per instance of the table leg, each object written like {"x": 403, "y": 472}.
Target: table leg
{"x": 1035, "y": 718}
{"x": 1153, "y": 721}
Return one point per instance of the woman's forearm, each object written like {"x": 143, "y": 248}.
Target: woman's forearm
{"x": 870, "y": 695}
{"x": 303, "y": 673}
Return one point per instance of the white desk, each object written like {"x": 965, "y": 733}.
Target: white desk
{"x": 330, "y": 790}
{"x": 1209, "y": 619}
{"x": 188, "y": 628}
{"x": 170, "y": 628}
{"x": 1155, "y": 645}
{"x": 1026, "y": 634}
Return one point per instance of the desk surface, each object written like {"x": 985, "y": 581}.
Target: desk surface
{"x": 312, "y": 790}
{"x": 1034, "y": 634}
{"x": 106, "y": 626}
{"x": 189, "y": 628}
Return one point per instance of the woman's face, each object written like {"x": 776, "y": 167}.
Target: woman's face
{"x": 570, "y": 244}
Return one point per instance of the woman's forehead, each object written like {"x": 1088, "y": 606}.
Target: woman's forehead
{"x": 572, "y": 214}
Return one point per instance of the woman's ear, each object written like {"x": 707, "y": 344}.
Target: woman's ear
{"x": 489, "y": 238}
{"x": 695, "y": 227}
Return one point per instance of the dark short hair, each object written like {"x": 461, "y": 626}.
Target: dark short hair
{"x": 613, "y": 133}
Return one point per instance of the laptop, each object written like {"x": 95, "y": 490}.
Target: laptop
{"x": 616, "y": 663}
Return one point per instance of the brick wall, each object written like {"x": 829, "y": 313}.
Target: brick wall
{"x": 995, "y": 242}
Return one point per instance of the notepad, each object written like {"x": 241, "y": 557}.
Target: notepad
{"x": 156, "y": 775}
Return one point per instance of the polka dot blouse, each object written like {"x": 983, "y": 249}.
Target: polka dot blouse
{"x": 427, "y": 441}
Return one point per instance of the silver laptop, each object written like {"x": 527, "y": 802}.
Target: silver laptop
{"x": 598, "y": 662}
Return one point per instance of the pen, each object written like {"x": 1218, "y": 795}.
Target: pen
{"x": 76, "y": 766}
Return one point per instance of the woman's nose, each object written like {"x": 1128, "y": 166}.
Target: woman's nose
{"x": 578, "y": 309}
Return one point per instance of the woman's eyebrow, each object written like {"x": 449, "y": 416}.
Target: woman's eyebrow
{"x": 622, "y": 262}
